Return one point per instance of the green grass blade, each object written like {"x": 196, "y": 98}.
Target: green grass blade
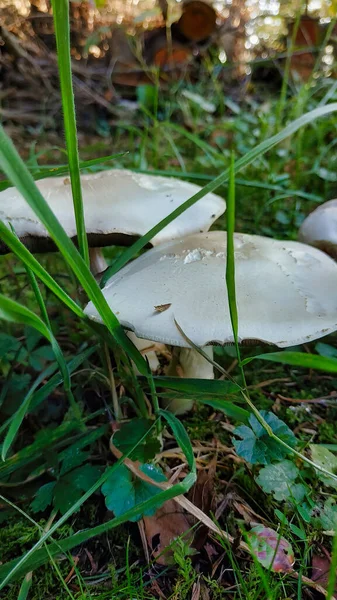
{"x": 20, "y": 414}
{"x": 62, "y": 34}
{"x": 194, "y": 386}
{"x": 38, "y": 296}
{"x": 239, "y": 182}
{"x": 298, "y": 359}
{"x": 230, "y": 259}
{"x": 247, "y": 159}
{"x": 182, "y": 438}
{"x": 228, "y": 408}
{"x": 36, "y": 556}
{"x": 22, "y": 179}
{"x": 52, "y": 384}
{"x": 16, "y": 313}
{"x": 30, "y": 262}
{"x": 31, "y": 560}
{"x": 25, "y": 586}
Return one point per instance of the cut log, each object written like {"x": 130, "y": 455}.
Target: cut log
{"x": 198, "y": 20}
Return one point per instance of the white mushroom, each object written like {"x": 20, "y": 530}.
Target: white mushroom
{"x": 119, "y": 206}
{"x": 286, "y": 292}
{"x": 190, "y": 364}
{"x": 320, "y": 228}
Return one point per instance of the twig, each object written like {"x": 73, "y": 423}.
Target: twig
{"x": 203, "y": 518}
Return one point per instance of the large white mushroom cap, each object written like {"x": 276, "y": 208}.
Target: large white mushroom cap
{"x": 286, "y": 291}
{"x": 116, "y": 202}
{"x": 320, "y": 227}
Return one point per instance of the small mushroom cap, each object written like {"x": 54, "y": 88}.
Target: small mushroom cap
{"x": 119, "y": 206}
{"x": 320, "y": 228}
{"x": 286, "y": 291}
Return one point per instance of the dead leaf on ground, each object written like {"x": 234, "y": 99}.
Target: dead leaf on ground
{"x": 167, "y": 524}
{"x": 321, "y": 569}
{"x": 202, "y": 495}
{"x": 272, "y": 550}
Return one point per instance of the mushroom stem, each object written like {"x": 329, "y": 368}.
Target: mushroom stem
{"x": 188, "y": 363}
{"x": 98, "y": 263}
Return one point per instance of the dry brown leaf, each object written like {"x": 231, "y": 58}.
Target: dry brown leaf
{"x": 168, "y": 523}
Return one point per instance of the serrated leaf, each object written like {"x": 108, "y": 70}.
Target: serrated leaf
{"x": 8, "y": 343}
{"x": 74, "y": 457}
{"x": 18, "y": 382}
{"x": 39, "y": 357}
{"x": 70, "y": 488}
{"x": 272, "y": 550}
{"x": 131, "y": 433}
{"x": 123, "y": 490}
{"x": 257, "y": 447}
{"x": 32, "y": 338}
{"x": 43, "y": 497}
{"x": 279, "y": 480}
{"x": 65, "y": 496}
{"x": 324, "y": 458}
{"x": 325, "y": 517}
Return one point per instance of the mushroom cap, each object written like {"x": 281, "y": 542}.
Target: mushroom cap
{"x": 320, "y": 227}
{"x": 286, "y": 291}
{"x": 119, "y": 206}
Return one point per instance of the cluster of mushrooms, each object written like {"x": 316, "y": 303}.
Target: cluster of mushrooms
{"x": 286, "y": 291}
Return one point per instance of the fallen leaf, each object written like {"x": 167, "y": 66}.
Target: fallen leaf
{"x": 272, "y": 550}
{"x": 168, "y": 523}
{"x": 320, "y": 569}
{"x": 162, "y": 307}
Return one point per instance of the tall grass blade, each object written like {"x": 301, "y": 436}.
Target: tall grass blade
{"x": 62, "y": 33}
{"x": 22, "y": 179}
{"x": 14, "y": 312}
{"x": 36, "y": 556}
{"x": 20, "y": 414}
{"x": 298, "y": 359}
{"x": 56, "y": 380}
{"x": 247, "y": 159}
{"x": 31, "y": 263}
{"x": 230, "y": 258}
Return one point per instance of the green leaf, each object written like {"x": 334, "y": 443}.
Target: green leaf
{"x": 123, "y": 490}
{"x": 73, "y": 457}
{"x": 8, "y": 344}
{"x": 279, "y": 480}
{"x": 39, "y": 357}
{"x": 70, "y": 487}
{"x": 228, "y": 408}
{"x": 272, "y": 550}
{"x": 132, "y": 433}
{"x": 43, "y": 497}
{"x": 182, "y": 438}
{"x": 326, "y": 350}
{"x": 298, "y": 359}
{"x": 325, "y": 517}
{"x": 197, "y": 386}
{"x": 324, "y": 458}
{"x": 32, "y": 338}
{"x": 257, "y": 447}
